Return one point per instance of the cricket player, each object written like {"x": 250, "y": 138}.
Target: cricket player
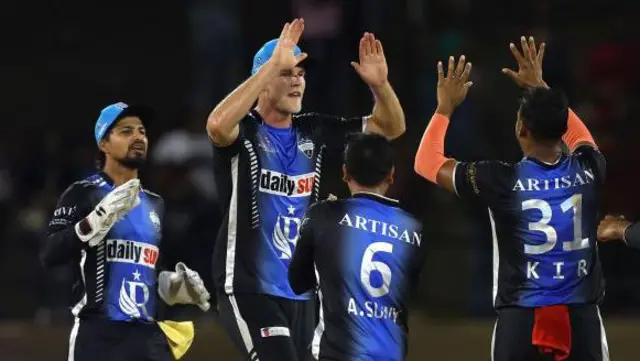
{"x": 108, "y": 228}
{"x": 368, "y": 253}
{"x": 275, "y": 158}
{"x": 543, "y": 210}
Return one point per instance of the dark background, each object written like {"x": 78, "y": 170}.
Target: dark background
{"x": 63, "y": 61}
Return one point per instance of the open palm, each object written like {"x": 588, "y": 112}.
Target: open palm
{"x": 283, "y": 54}
{"x": 372, "y": 67}
{"x": 529, "y": 73}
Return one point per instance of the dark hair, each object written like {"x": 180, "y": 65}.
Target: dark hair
{"x": 368, "y": 158}
{"x": 544, "y": 112}
{"x": 101, "y": 158}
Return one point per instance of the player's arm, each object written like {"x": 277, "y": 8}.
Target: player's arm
{"x": 430, "y": 161}
{"x": 76, "y": 225}
{"x": 223, "y": 122}
{"x": 63, "y": 243}
{"x": 302, "y": 277}
{"x": 387, "y": 117}
{"x": 618, "y": 228}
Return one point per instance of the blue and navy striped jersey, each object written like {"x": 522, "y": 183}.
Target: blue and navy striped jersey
{"x": 367, "y": 253}
{"x": 274, "y": 177}
{"x": 544, "y": 221}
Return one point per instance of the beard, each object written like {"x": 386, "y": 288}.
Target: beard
{"x": 135, "y": 161}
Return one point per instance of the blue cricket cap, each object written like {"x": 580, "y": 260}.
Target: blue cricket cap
{"x": 114, "y": 112}
{"x": 265, "y": 53}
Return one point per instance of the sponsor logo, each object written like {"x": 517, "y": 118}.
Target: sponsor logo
{"x": 273, "y": 182}
{"x": 132, "y": 252}
{"x": 275, "y": 331}
{"x": 64, "y": 211}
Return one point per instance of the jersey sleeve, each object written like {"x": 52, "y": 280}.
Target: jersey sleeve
{"x": 594, "y": 160}
{"x": 223, "y": 154}
{"x": 632, "y": 235}
{"x": 62, "y": 243}
{"x": 302, "y": 275}
{"x": 483, "y": 181}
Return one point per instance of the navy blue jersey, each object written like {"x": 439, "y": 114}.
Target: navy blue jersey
{"x": 544, "y": 221}
{"x": 275, "y": 175}
{"x": 118, "y": 277}
{"x": 367, "y": 253}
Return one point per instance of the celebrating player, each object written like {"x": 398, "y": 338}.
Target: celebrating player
{"x": 275, "y": 159}
{"x": 547, "y": 275}
{"x": 109, "y": 228}
{"x": 368, "y": 254}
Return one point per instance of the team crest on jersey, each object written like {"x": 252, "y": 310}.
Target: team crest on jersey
{"x": 155, "y": 220}
{"x": 306, "y": 146}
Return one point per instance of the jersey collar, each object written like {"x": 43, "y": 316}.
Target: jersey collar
{"x": 377, "y": 197}
{"x": 106, "y": 178}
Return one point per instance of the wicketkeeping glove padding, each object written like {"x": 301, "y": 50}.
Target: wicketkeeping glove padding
{"x": 184, "y": 286}
{"x": 112, "y": 208}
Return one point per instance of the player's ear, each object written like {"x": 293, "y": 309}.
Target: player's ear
{"x": 391, "y": 175}
{"x": 521, "y": 130}
{"x": 103, "y": 146}
{"x": 345, "y": 176}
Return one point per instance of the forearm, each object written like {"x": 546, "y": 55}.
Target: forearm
{"x": 577, "y": 132}
{"x": 387, "y": 113}
{"x": 60, "y": 247}
{"x": 430, "y": 156}
{"x": 222, "y": 124}
{"x": 631, "y": 235}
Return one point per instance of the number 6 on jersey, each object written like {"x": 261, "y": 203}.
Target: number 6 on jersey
{"x": 369, "y": 265}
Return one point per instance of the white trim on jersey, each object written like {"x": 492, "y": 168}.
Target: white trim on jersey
{"x": 603, "y": 336}
{"x": 100, "y": 266}
{"x": 319, "y": 331}
{"x": 493, "y": 340}
{"x": 365, "y": 120}
{"x": 453, "y": 176}
{"x": 232, "y": 228}
{"x": 244, "y": 330}
{"x": 496, "y": 256}
{"x": 83, "y": 301}
{"x": 72, "y": 340}
{"x": 76, "y": 310}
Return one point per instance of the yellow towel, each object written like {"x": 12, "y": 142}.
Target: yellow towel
{"x": 179, "y": 335}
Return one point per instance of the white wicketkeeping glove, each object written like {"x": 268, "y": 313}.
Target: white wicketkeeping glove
{"x": 111, "y": 208}
{"x": 184, "y": 286}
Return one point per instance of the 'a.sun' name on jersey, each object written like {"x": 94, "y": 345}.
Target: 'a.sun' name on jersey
{"x": 132, "y": 252}
{"x": 273, "y": 182}
{"x": 373, "y": 310}
{"x": 383, "y": 228}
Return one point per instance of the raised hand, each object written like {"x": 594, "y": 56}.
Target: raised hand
{"x": 529, "y": 73}
{"x": 283, "y": 54}
{"x": 372, "y": 67}
{"x": 453, "y": 88}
